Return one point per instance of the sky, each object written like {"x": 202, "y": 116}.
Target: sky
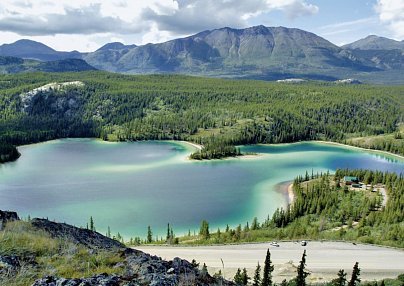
{"x": 85, "y": 26}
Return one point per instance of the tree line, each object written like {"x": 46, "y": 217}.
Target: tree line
{"x": 216, "y": 113}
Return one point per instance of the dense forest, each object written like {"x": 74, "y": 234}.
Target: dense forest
{"x": 324, "y": 208}
{"x": 216, "y": 113}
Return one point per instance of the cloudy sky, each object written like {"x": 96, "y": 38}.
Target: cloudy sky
{"x": 86, "y": 25}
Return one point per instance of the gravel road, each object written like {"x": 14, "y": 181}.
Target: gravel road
{"x": 324, "y": 259}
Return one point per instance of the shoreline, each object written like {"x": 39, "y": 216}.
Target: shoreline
{"x": 360, "y": 148}
{"x": 286, "y": 188}
{"x": 199, "y": 147}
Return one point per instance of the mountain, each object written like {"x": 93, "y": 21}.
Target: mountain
{"x": 115, "y": 46}
{"x": 383, "y": 53}
{"x": 28, "y": 49}
{"x": 18, "y": 65}
{"x": 269, "y": 53}
{"x": 375, "y": 43}
{"x": 253, "y": 51}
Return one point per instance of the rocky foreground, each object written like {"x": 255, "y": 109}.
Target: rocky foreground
{"x": 138, "y": 268}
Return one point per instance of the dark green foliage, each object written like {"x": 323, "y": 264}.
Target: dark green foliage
{"x": 8, "y": 152}
{"x": 244, "y": 277}
{"x": 341, "y": 280}
{"x": 237, "y": 277}
{"x": 149, "y": 238}
{"x": 355, "y": 280}
{"x": 241, "y": 277}
{"x": 204, "y": 230}
{"x": 92, "y": 226}
{"x": 257, "y": 276}
{"x": 301, "y": 272}
{"x": 268, "y": 269}
{"x": 219, "y": 114}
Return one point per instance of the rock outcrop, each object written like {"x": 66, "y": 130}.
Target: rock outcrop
{"x": 136, "y": 267}
{"x": 6, "y": 217}
{"x": 9, "y": 265}
{"x": 85, "y": 237}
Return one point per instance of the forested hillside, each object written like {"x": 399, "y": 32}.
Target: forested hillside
{"x": 214, "y": 112}
{"x": 324, "y": 208}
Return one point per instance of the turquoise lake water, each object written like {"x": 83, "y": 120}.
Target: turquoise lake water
{"x": 129, "y": 186}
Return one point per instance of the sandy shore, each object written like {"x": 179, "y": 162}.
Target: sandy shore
{"x": 197, "y": 146}
{"x": 286, "y": 188}
{"x": 291, "y": 194}
{"x": 324, "y": 259}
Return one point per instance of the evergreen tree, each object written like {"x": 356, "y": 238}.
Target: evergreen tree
{"x": 257, "y": 276}
{"x": 149, "y": 235}
{"x": 255, "y": 224}
{"x": 245, "y": 277}
{"x": 341, "y": 280}
{"x": 301, "y": 273}
{"x": 168, "y": 233}
{"x": 92, "y": 227}
{"x": 238, "y": 279}
{"x": 204, "y": 230}
{"x": 355, "y": 275}
{"x": 268, "y": 269}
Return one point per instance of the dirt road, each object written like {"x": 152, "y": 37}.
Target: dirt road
{"x": 324, "y": 259}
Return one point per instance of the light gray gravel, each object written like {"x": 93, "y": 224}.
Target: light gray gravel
{"x": 324, "y": 259}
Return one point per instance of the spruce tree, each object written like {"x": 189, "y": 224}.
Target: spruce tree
{"x": 301, "y": 273}
{"x": 245, "y": 277}
{"x": 237, "y": 278}
{"x": 355, "y": 275}
{"x": 257, "y": 276}
{"x": 268, "y": 269}
{"x": 341, "y": 280}
{"x": 92, "y": 227}
{"x": 149, "y": 235}
{"x": 204, "y": 230}
{"x": 168, "y": 233}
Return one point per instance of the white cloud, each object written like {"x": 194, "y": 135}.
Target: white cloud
{"x": 189, "y": 16}
{"x": 85, "y": 24}
{"x": 293, "y": 8}
{"x": 391, "y": 13}
{"x": 84, "y": 20}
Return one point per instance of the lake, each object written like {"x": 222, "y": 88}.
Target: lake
{"x": 129, "y": 186}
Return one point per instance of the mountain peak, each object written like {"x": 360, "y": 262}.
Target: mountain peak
{"x": 373, "y": 42}
{"x": 115, "y": 46}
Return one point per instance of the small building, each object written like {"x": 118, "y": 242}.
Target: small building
{"x": 348, "y": 180}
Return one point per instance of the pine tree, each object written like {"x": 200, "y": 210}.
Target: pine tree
{"x": 238, "y": 278}
{"x": 149, "y": 235}
{"x": 92, "y": 227}
{"x": 341, "y": 280}
{"x": 268, "y": 269}
{"x": 301, "y": 273}
{"x": 355, "y": 275}
{"x": 255, "y": 224}
{"x": 245, "y": 277}
{"x": 168, "y": 233}
{"x": 204, "y": 230}
{"x": 257, "y": 276}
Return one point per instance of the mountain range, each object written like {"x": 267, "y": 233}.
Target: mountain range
{"x": 255, "y": 52}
